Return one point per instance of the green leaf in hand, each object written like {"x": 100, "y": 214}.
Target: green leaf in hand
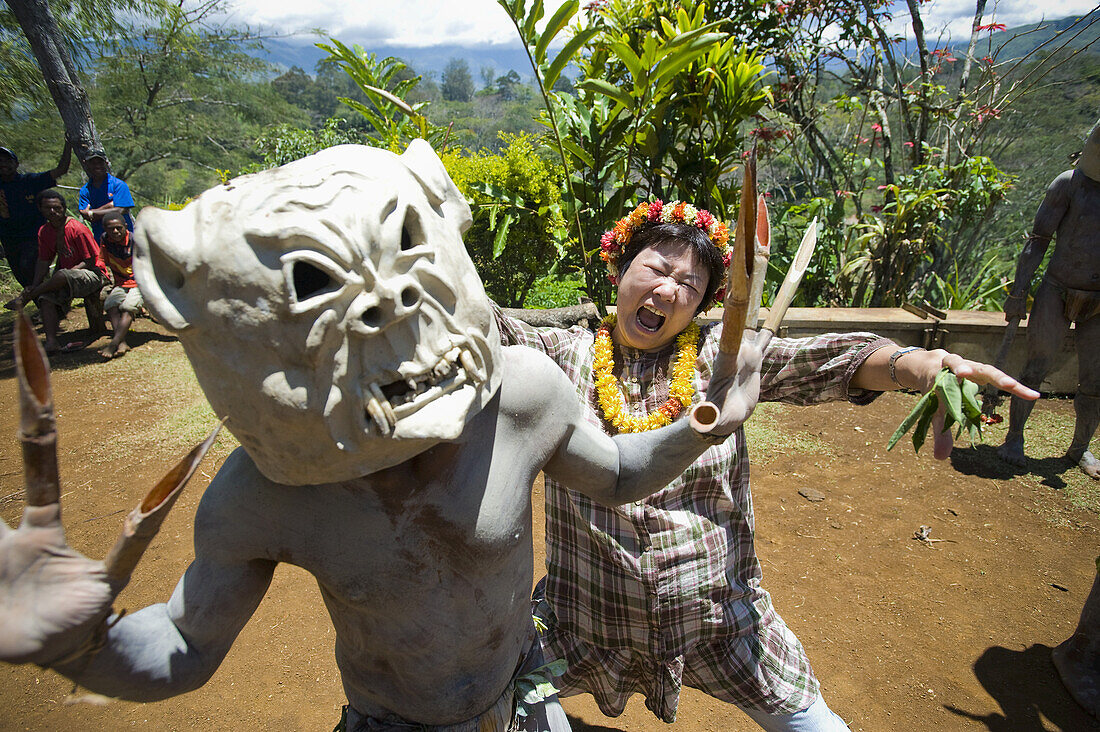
{"x": 913, "y": 416}
{"x": 961, "y": 405}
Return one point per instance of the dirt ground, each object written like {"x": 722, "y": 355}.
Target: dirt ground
{"x": 904, "y": 635}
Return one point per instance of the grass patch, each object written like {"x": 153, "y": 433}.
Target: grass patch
{"x": 182, "y": 418}
{"x": 1047, "y": 435}
{"x": 767, "y": 439}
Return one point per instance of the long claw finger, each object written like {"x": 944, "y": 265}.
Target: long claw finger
{"x": 145, "y": 521}
{"x": 37, "y": 427}
{"x": 736, "y": 306}
{"x": 942, "y": 443}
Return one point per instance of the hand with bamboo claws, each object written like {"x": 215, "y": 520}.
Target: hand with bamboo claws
{"x": 741, "y": 348}
{"x": 55, "y": 602}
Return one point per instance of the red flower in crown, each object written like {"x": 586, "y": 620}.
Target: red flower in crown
{"x": 615, "y": 240}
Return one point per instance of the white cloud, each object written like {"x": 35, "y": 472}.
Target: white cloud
{"x": 412, "y": 23}
{"x": 424, "y": 23}
{"x": 950, "y": 20}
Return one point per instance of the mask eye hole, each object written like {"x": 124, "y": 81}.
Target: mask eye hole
{"x": 309, "y": 280}
{"x": 412, "y": 233}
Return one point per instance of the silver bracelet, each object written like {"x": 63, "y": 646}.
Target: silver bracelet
{"x": 894, "y": 359}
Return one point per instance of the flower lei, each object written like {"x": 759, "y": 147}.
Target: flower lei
{"x": 614, "y": 241}
{"x": 610, "y": 395}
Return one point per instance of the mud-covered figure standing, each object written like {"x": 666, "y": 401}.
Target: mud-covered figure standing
{"x": 1069, "y": 293}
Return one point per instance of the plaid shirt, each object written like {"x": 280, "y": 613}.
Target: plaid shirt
{"x": 643, "y": 597}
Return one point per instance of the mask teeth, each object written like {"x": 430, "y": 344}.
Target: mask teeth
{"x": 470, "y": 366}
{"x": 443, "y": 369}
{"x": 374, "y": 409}
{"x": 387, "y": 408}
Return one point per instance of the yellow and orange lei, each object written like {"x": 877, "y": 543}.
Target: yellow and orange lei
{"x": 610, "y": 395}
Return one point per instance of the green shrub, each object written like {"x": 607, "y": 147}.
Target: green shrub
{"x": 555, "y": 292}
{"x": 518, "y": 234}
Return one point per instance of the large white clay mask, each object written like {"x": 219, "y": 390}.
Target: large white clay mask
{"x": 329, "y": 309}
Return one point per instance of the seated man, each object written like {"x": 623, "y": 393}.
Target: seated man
{"x": 80, "y": 269}
{"x": 103, "y": 193}
{"x": 123, "y": 301}
{"x": 388, "y": 447}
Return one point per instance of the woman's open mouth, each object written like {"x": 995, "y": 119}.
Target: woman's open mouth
{"x": 649, "y": 318}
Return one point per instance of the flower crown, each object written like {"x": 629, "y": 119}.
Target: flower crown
{"x": 614, "y": 241}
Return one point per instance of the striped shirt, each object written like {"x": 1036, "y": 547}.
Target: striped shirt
{"x": 644, "y": 597}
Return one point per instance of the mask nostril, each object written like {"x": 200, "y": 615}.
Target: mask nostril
{"x": 372, "y": 316}
{"x": 409, "y": 297}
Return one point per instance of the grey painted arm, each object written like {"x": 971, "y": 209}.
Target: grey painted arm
{"x": 629, "y": 467}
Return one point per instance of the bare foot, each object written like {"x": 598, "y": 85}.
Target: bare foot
{"x": 107, "y": 352}
{"x": 1012, "y": 452}
{"x": 1089, "y": 465}
{"x": 1079, "y": 667}
{"x": 121, "y": 350}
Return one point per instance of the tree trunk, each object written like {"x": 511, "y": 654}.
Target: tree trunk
{"x": 59, "y": 73}
{"x": 925, "y": 81}
{"x": 969, "y": 60}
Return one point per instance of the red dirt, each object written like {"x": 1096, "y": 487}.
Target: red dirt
{"x": 903, "y": 635}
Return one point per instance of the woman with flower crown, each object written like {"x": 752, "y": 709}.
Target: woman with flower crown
{"x": 648, "y": 596}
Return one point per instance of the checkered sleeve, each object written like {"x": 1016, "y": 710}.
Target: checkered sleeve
{"x": 559, "y": 344}
{"x": 809, "y": 370}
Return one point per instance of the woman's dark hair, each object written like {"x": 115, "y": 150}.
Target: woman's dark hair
{"x": 686, "y": 235}
{"x": 50, "y": 193}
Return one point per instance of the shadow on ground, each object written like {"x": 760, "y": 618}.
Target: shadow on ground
{"x": 578, "y": 726}
{"x": 982, "y": 461}
{"x": 1026, "y": 686}
{"x": 73, "y": 331}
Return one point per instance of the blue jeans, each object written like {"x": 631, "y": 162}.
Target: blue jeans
{"x": 815, "y": 718}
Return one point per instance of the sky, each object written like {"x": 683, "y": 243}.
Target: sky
{"x": 426, "y": 23}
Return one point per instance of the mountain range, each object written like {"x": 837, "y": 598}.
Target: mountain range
{"x": 284, "y": 52}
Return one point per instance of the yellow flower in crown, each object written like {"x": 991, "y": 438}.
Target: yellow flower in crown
{"x": 615, "y": 240}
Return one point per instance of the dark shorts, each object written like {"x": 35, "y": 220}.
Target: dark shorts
{"x": 78, "y": 283}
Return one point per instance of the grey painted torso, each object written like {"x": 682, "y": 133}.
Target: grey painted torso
{"x": 1076, "y": 259}
{"x": 424, "y": 567}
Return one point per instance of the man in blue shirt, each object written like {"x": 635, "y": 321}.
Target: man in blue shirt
{"x": 103, "y": 193}
{"x": 19, "y": 217}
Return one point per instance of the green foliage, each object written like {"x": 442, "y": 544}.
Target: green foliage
{"x": 179, "y": 88}
{"x": 319, "y": 95}
{"x": 457, "y": 84}
{"x": 518, "y": 231}
{"x": 889, "y": 244}
{"x": 961, "y": 409}
{"x": 920, "y": 147}
{"x": 176, "y": 97}
{"x": 687, "y": 92}
{"x": 392, "y": 122}
{"x": 552, "y": 291}
{"x": 282, "y": 144}
{"x": 986, "y": 290}
{"x": 661, "y": 94}
{"x": 83, "y": 23}
{"x": 477, "y": 124}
